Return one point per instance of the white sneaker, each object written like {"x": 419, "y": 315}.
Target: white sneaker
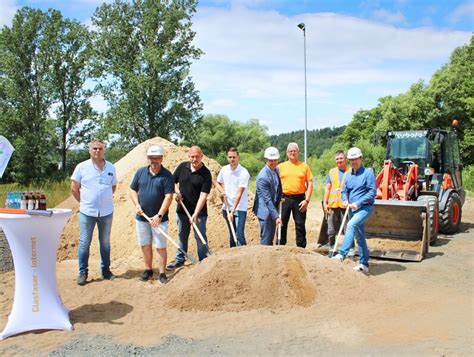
{"x": 338, "y": 257}
{"x": 362, "y": 268}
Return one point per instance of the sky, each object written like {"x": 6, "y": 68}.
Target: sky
{"x": 357, "y": 51}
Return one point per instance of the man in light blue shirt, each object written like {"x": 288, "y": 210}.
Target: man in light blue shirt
{"x": 358, "y": 195}
{"x": 93, "y": 183}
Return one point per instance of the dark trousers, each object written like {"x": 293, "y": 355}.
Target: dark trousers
{"x": 335, "y": 216}
{"x": 291, "y": 206}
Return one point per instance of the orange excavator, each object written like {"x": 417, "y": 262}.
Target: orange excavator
{"x": 419, "y": 192}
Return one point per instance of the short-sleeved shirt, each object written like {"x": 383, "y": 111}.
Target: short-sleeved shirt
{"x": 294, "y": 177}
{"x": 233, "y": 180}
{"x": 152, "y": 190}
{"x": 191, "y": 184}
{"x": 96, "y": 188}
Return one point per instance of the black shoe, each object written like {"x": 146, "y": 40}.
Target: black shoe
{"x": 147, "y": 274}
{"x": 174, "y": 265}
{"x": 107, "y": 275}
{"x": 163, "y": 279}
{"x": 82, "y": 279}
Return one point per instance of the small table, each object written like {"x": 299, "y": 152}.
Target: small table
{"x": 33, "y": 242}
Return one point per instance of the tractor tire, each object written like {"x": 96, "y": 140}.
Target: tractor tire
{"x": 433, "y": 212}
{"x": 450, "y": 218}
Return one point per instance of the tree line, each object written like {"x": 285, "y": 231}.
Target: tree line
{"x": 137, "y": 57}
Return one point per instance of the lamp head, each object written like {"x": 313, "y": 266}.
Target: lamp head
{"x": 301, "y": 26}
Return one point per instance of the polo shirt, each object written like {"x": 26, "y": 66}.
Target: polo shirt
{"x": 152, "y": 190}
{"x": 233, "y": 180}
{"x": 294, "y": 177}
{"x": 191, "y": 184}
{"x": 96, "y": 188}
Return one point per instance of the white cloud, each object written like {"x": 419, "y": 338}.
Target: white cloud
{"x": 254, "y": 59}
{"x": 218, "y": 105}
{"x": 463, "y": 11}
{"x": 390, "y": 17}
{"x": 7, "y": 11}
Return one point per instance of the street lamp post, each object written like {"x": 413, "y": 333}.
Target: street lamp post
{"x": 303, "y": 28}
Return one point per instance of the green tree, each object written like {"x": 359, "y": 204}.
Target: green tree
{"x": 71, "y": 53}
{"x": 143, "y": 53}
{"x": 452, "y": 90}
{"x": 215, "y": 134}
{"x": 26, "y": 95}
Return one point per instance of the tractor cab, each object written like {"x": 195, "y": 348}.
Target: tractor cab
{"x": 434, "y": 151}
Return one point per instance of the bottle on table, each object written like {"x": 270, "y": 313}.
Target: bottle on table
{"x": 31, "y": 201}
{"x": 42, "y": 204}
{"x": 24, "y": 201}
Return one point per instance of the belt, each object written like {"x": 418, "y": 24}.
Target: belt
{"x": 300, "y": 195}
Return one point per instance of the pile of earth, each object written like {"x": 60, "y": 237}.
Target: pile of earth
{"x": 256, "y": 277}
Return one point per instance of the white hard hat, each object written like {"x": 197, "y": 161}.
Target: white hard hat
{"x": 271, "y": 153}
{"x": 354, "y": 153}
{"x": 155, "y": 150}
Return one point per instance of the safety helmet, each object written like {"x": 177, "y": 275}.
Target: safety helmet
{"x": 155, "y": 150}
{"x": 354, "y": 153}
{"x": 271, "y": 153}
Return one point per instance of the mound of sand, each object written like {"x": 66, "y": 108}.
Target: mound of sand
{"x": 123, "y": 237}
{"x": 256, "y": 277}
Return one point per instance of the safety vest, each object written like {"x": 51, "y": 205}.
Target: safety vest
{"x": 335, "y": 198}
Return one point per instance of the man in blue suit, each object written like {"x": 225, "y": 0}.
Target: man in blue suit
{"x": 268, "y": 196}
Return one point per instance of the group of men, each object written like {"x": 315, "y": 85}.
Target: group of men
{"x": 282, "y": 189}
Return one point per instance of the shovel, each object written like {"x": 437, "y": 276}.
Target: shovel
{"x": 279, "y": 226}
{"x": 159, "y": 230}
{"x": 231, "y": 224}
{"x": 196, "y": 229}
{"x": 232, "y": 229}
{"x": 339, "y": 233}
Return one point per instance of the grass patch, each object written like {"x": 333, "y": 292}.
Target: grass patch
{"x": 56, "y": 191}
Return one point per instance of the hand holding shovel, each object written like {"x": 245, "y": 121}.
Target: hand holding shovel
{"x": 159, "y": 230}
{"x": 203, "y": 241}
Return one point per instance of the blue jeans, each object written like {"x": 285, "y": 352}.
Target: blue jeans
{"x": 87, "y": 224}
{"x": 267, "y": 230}
{"x": 184, "y": 228}
{"x": 355, "y": 227}
{"x": 239, "y": 226}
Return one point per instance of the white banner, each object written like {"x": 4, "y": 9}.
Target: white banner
{"x": 6, "y": 150}
{"x": 33, "y": 242}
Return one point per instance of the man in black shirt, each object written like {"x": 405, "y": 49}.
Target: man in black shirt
{"x": 193, "y": 183}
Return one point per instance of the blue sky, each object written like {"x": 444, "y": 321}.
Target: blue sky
{"x": 357, "y": 52}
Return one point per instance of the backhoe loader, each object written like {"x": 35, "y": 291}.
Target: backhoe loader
{"x": 419, "y": 192}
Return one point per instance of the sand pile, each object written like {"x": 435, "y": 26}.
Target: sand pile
{"x": 123, "y": 237}
{"x": 256, "y": 277}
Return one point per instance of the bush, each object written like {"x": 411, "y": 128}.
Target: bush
{"x": 468, "y": 179}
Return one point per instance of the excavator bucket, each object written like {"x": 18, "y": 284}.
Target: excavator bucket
{"x": 398, "y": 230}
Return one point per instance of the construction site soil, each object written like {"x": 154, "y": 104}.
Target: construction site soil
{"x": 254, "y": 300}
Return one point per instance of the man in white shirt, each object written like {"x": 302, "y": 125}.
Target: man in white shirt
{"x": 234, "y": 179}
{"x": 93, "y": 183}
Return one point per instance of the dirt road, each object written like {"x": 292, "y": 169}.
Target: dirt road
{"x": 404, "y": 308}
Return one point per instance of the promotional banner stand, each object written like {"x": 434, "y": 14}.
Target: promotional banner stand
{"x": 33, "y": 242}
